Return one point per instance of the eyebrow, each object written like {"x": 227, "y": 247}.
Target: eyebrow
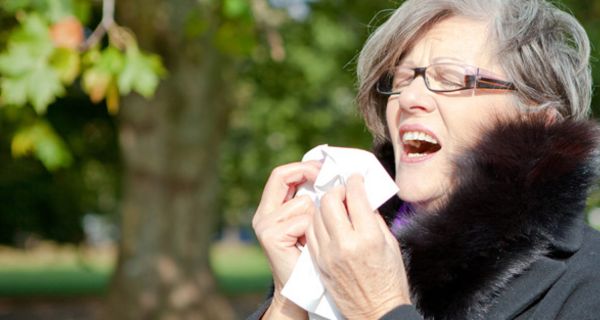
{"x": 450, "y": 59}
{"x": 434, "y": 60}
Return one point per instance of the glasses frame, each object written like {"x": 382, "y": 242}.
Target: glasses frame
{"x": 478, "y": 79}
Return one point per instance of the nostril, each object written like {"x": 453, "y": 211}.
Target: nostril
{"x": 419, "y": 108}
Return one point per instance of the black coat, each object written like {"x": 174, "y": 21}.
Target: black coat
{"x": 511, "y": 241}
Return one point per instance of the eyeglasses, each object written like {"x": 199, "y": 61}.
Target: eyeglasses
{"x": 441, "y": 77}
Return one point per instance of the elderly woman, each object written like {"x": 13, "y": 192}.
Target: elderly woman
{"x": 478, "y": 110}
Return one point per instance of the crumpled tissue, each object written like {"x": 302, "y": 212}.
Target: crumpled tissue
{"x": 304, "y": 287}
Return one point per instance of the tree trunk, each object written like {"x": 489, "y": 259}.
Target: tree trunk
{"x": 170, "y": 146}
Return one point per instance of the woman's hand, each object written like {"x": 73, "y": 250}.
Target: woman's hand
{"x": 280, "y": 222}
{"x": 358, "y": 257}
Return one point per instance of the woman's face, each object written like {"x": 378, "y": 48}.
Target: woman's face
{"x": 453, "y": 121}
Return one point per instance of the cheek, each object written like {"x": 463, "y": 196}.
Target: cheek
{"x": 468, "y": 121}
{"x": 391, "y": 117}
{"x": 391, "y": 114}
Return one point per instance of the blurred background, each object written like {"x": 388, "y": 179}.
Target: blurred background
{"x": 136, "y": 137}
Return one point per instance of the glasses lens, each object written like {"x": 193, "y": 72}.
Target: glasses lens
{"x": 392, "y": 83}
{"x": 446, "y": 77}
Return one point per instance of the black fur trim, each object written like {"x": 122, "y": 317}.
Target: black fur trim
{"x": 517, "y": 190}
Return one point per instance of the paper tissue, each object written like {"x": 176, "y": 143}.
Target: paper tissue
{"x": 304, "y": 286}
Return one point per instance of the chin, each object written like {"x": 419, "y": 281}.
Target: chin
{"x": 419, "y": 195}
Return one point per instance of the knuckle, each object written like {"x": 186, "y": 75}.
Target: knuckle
{"x": 279, "y": 170}
{"x": 255, "y": 220}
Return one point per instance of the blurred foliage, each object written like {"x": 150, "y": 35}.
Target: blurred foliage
{"x": 287, "y": 107}
{"x": 51, "y": 66}
{"x": 52, "y": 203}
{"x": 43, "y": 50}
{"x": 294, "y": 90}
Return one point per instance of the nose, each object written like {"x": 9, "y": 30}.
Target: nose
{"x": 416, "y": 97}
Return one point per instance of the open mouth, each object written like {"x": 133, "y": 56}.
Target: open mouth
{"x": 419, "y": 144}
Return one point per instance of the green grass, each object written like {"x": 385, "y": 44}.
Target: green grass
{"x": 55, "y": 282}
{"x": 238, "y": 269}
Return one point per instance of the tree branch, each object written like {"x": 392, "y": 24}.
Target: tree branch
{"x": 108, "y": 20}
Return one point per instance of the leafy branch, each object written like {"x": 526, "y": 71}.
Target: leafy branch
{"x": 46, "y": 53}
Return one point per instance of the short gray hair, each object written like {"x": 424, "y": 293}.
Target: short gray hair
{"x": 543, "y": 50}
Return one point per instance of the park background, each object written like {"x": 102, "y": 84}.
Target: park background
{"x": 136, "y": 136}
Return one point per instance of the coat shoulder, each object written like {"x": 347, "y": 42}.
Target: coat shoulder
{"x": 581, "y": 281}
{"x": 586, "y": 260}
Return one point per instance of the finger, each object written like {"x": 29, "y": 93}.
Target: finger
{"x": 359, "y": 209}
{"x": 296, "y": 227}
{"x": 284, "y": 233}
{"x": 312, "y": 243}
{"x": 283, "y": 182}
{"x": 321, "y": 233}
{"x": 333, "y": 213}
{"x": 302, "y": 205}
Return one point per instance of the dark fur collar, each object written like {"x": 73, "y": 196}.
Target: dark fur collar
{"x": 518, "y": 191}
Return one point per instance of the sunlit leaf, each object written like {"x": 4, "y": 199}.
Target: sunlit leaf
{"x": 111, "y": 60}
{"x": 16, "y": 61}
{"x": 58, "y": 9}
{"x": 142, "y": 73}
{"x": 14, "y": 91}
{"x": 27, "y": 75}
{"x": 106, "y": 66}
{"x": 12, "y": 6}
{"x": 95, "y": 83}
{"x": 66, "y": 62}
{"x": 43, "y": 87}
{"x": 23, "y": 143}
{"x": 42, "y": 141}
{"x": 112, "y": 98}
{"x": 34, "y": 30}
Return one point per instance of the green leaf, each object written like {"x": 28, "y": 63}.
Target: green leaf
{"x": 66, "y": 63}
{"x": 43, "y": 87}
{"x": 27, "y": 46}
{"x": 111, "y": 60}
{"x": 17, "y": 61}
{"x": 41, "y": 140}
{"x": 58, "y": 9}
{"x": 12, "y": 6}
{"x": 34, "y": 29}
{"x": 25, "y": 66}
{"x": 96, "y": 82}
{"x": 103, "y": 68}
{"x": 142, "y": 73}
{"x": 14, "y": 91}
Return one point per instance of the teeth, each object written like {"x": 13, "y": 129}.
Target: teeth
{"x": 415, "y": 155}
{"x": 419, "y": 136}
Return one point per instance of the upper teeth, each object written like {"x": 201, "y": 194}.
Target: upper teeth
{"x": 417, "y": 135}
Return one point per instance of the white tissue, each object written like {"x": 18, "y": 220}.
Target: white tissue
{"x": 304, "y": 287}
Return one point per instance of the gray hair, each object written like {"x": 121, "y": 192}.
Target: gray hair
{"x": 543, "y": 50}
